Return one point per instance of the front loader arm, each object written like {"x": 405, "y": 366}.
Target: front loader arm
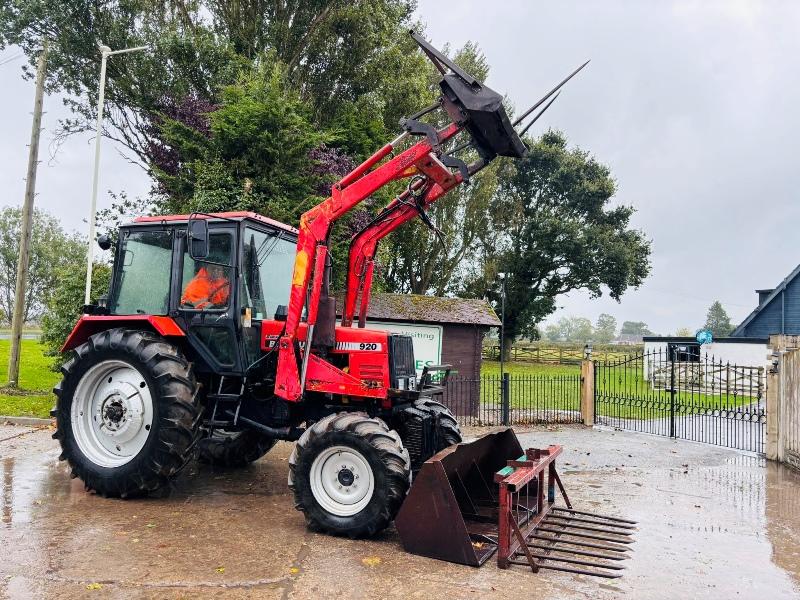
{"x": 363, "y": 246}
{"x": 315, "y": 228}
{"x": 472, "y": 107}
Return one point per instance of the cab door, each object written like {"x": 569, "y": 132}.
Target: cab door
{"x": 205, "y": 300}
{"x": 267, "y": 265}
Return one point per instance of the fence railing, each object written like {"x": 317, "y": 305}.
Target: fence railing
{"x": 559, "y": 355}
{"x": 514, "y": 399}
{"x": 685, "y": 395}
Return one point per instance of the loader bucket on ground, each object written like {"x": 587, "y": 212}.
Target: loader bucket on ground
{"x": 473, "y": 499}
{"x": 452, "y": 511}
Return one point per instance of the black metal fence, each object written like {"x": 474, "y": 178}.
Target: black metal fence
{"x": 514, "y": 399}
{"x": 683, "y": 393}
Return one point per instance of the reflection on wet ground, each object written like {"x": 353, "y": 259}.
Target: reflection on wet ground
{"x": 713, "y": 523}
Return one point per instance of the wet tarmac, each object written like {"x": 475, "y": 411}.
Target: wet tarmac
{"x": 713, "y": 523}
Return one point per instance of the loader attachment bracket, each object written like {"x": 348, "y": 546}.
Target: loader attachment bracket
{"x": 475, "y": 106}
{"x": 415, "y": 127}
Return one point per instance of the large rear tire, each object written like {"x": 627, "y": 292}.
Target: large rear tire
{"x": 349, "y": 474}
{"x": 126, "y": 416}
{"x": 234, "y": 449}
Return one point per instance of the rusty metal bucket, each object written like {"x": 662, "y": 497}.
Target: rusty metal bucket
{"x": 451, "y": 512}
{"x": 474, "y": 499}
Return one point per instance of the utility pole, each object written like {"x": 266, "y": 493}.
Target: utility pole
{"x": 27, "y": 224}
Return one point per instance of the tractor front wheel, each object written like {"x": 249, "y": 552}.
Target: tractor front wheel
{"x": 125, "y": 413}
{"x": 349, "y": 474}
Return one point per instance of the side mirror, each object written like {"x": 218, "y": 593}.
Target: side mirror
{"x": 104, "y": 242}
{"x": 197, "y": 234}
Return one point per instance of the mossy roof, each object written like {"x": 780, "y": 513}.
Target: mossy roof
{"x": 429, "y": 309}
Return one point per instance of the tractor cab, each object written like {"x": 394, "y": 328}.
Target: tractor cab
{"x": 218, "y": 277}
{"x": 221, "y": 281}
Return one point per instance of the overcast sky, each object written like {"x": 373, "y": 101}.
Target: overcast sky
{"x": 694, "y": 105}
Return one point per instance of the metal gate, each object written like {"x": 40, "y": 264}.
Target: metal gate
{"x": 683, "y": 393}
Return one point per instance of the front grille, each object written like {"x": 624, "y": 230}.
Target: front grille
{"x": 401, "y": 361}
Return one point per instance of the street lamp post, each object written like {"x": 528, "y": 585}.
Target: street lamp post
{"x": 502, "y": 277}
{"x": 105, "y": 53}
{"x": 505, "y": 401}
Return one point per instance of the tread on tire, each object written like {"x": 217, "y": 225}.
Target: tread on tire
{"x": 176, "y": 420}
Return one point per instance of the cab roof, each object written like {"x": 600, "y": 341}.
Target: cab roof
{"x": 233, "y": 216}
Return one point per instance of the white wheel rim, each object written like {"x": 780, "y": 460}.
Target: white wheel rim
{"x": 112, "y": 413}
{"x": 342, "y": 481}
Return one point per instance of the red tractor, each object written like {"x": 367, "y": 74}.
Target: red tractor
{"x": 219, "y": 336}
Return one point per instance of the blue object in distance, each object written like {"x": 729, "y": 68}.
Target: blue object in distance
{"x": 704, "y": 337}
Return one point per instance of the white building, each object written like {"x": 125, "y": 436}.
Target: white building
{"x": 739, "y": 351}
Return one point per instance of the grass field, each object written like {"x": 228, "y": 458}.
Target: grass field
{"x": 625, "y": 393}
{"x": 36, "y": 381}
{"x": 492, "y": 367}
{"x": 533, "y": 385}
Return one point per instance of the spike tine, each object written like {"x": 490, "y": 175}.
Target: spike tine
{"x": 550, "y": 93}
{"x": 539, "y": 114}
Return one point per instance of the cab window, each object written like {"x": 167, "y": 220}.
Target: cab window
{"x": 143, "y": 273}
{"x": 206, "y": 284}
{"x": 268, "y": 266}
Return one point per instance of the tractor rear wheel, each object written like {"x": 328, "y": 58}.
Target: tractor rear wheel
{"x": 349, "y": 474}
{"x": 233, "y": 448}
{"x": 126, "y": 416}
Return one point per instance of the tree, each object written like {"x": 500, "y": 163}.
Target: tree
{"x": 50, "y": 249}
{"x": 570, "y": 329}
{"x": 684, "y": 332}
{"x": 605, "y": 329}
{"x": 251, "y": 152}
{"x": 635, "y": 328}
{"x": 554, "y": 231}
{"x": 718, "y": 321}
{"x": 553, "y": 332}
{"x": 65, "y": 302}
{"x": 348, "y": 60}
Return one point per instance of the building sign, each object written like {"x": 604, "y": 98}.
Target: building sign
{"x": 427, "y": 341}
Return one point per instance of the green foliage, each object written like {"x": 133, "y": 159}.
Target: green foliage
{"x": 570, "y": 329}
{"x": 554, "y": 231}
{"x": 335, "y": 53}
{"x": 263, "y": 83}
{"x": 684, "y": 332}
{"x": 65, "y": 302}
{"x": 718, "y": 321}
{"x": 254, "y": 156}
{"x": 50, "y": 250}
{"x": 635, "y": 328}
{"x": 605, "y": 329}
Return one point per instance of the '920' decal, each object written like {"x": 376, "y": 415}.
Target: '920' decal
{"x": 362, "y": 346}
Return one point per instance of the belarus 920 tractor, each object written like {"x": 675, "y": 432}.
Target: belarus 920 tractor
{"x": 219, "y": 336}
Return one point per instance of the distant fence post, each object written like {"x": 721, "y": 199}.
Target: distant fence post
{"x": 587, "y": 390}
{"x": 505, "y": 388}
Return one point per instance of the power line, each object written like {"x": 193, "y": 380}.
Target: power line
{"x": 9, "y": 59}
